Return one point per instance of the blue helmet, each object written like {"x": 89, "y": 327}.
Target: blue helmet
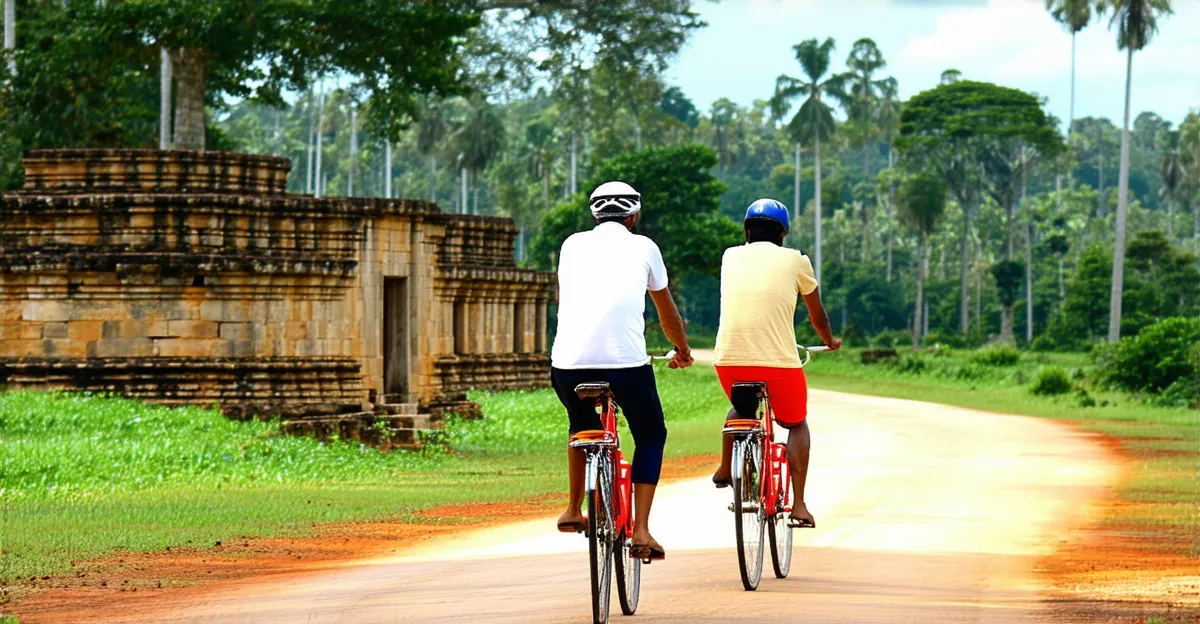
{"x": 769, "y": 209}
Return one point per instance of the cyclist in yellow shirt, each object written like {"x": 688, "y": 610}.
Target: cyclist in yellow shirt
{"x": 756, "y": 340}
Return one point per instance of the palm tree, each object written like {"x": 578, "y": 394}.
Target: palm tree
{"x": 431, "y": 130}
{"x": 866, "y": 92}
{"x": 1189, "y": 143}
{"x": 1136, "y": 21}
{"x": 10, "y": 34}
{"x": 1170, "y": 166}
{"x": 722, "y": 115}
{"x": 814, "y": 117}
{"x": 889, "y": 125}
{"x": 922, "y": 203}
{"x": 164, "y": 99}
{"x": 479, "y": 137}
{"x": 1075, "y": 15}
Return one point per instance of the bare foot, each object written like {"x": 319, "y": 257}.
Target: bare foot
{"x": 646, "y": 547}
{"x": 801, "y": 518}
{"x": 572, "y": 521}
{"x": 722, "y": 477}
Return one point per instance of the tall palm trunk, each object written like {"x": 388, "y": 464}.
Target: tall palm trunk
{"x": 10, "y": 33}
{"x": 1062, "y": 284}
{"x": 464, "y": 196}
{"x": 817, "y": 212}
{"x": 353, "y": 150}
{"x": 164, "y": 99}
{"x": 191, "y": 71}
{"x": 320, "y": 180}
{"x": 432, "y": 179}
{"x": 387, "y": 169}
{"x": 922, "y": 269}
{"x": 964, "y": 316}
{"x": 890, "y": 211}
{"x": 574, "y": 162}
{"x": 1118, "y": 276}
{"x": 1170, "y": 219}
{"x": 1100, "y": 167}
{"x": 309, "y": 174}
{"x": 796, "y": 187}
{"x": 1029, "y": 283}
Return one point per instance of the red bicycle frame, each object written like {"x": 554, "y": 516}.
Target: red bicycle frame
{"x": 623, "y": 497}
{"x": 776, "y": 483}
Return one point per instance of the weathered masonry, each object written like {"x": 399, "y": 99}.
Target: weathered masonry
{"x": 193, "y": 278}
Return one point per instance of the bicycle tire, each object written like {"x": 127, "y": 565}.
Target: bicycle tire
{"x": 600, "y": 541}
{"x": 781, "y": 544}
{"x": 749, "y": 517}
{"x": 629, "y": 575}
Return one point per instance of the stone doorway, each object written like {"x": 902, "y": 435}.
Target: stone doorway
{"x": 395, "y": 339}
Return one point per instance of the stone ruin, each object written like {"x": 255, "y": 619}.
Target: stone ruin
{"x": 193, "y": 278}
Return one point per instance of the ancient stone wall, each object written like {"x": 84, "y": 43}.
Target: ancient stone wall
{"x": 190, "y": 277}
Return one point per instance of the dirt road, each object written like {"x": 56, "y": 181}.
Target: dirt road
{"x": 925, "y": 513}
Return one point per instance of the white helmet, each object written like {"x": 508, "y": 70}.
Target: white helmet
{"x": 615, "y": 198}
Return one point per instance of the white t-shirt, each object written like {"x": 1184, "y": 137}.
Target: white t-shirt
{"x": 603, "y": 276}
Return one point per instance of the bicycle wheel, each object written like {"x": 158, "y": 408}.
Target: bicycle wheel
{"x": 749, "y": 517}
{"x": 629, "y": 575}
{"x": 781, "y": 544}
{"x": 601, "y": 538}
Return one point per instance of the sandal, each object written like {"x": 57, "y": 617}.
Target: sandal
{"x": 579, "y": 526}
{"x": 647, "y": 552}
{"x": 801, "y": 523}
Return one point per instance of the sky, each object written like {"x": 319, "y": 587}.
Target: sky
{"x": 748, "y": 44}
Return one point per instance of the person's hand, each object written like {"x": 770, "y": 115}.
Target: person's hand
{"x": 835, "y": 344}
{"x": 682, "y": 359}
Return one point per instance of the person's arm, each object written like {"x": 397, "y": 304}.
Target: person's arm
{"x": 820, "y": 320}
{"x": 672, "y": 326}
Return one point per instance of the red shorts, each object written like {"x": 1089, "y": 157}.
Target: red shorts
{"x": 785, "y": 386}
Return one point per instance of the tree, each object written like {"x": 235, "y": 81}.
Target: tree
{"x": 1171, "y": 169}
{"x": 677, "y": 105}
{"x": 1075, "y": 16}
{"x": 10, "y": 34}
{"x": 1058, "y": 245}
{"x": 922, "y": 203}
{"x": 814, "y": 118}
{"x": 477, "y": 139}
{"x": 1008, "y": 275}
{"x": 865, "y": 93}
{"x": 953, "y": 129}
{"x": 680, "y": 201}
{"x": 261, "y": 47}
{"x": 431, "y": 131}
{"x": 1189, "y": 143}
{"x": 1137, "y": 22}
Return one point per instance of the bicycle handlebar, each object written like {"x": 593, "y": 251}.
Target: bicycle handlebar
{"x": 666, "y": 356}
{"x": 808, "y": 351}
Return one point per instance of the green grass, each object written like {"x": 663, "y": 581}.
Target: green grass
{"x": 1169, "y": 481}
{"x": 83, "y": 476}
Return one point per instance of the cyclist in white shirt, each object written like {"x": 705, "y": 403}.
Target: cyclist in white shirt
{"x": 603, "y": 276}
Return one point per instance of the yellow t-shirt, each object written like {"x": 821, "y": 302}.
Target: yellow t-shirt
{"x": 759, "y": 285}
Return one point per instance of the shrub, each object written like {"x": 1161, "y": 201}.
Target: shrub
{"x": 891, "y": 338}
{"x": 939, "y": 350}
{"x": 1184, "y": 392}
{"x": 1152, "y": 361}
{"x": 970, "y": 372}
{"x": 999, "y": 355}
{"x": 913, "y": 365}
{"x": 950, "y": 339}
{"x": 1051, "y": 381}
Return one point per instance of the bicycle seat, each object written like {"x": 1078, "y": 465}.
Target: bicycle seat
{"x": 598, "y": 390}
{"x": 757, "y": 389}
{"x": 592, "y": 437}
{"x": 742, "y": 425}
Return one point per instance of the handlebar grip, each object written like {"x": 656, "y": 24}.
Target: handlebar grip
{"x": 666, "y": 356}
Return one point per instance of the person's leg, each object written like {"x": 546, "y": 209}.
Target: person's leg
{"x": 789, "y": 403}
{"x": 637, "y": 394}
{"x": 798, "y": 445}
{"x": 583, "y": 417}
{"x": 724, "y": 474}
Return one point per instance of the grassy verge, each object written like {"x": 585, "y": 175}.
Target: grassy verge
{"x": 81, "y": 477}
{"x": 1164, "y": 442}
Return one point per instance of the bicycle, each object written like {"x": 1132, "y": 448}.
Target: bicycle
{"x": 761, "y": 482}
{"x": 609, "y": 493}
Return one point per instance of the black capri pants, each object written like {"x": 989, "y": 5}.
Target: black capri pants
{"x": 635, "y": 392}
